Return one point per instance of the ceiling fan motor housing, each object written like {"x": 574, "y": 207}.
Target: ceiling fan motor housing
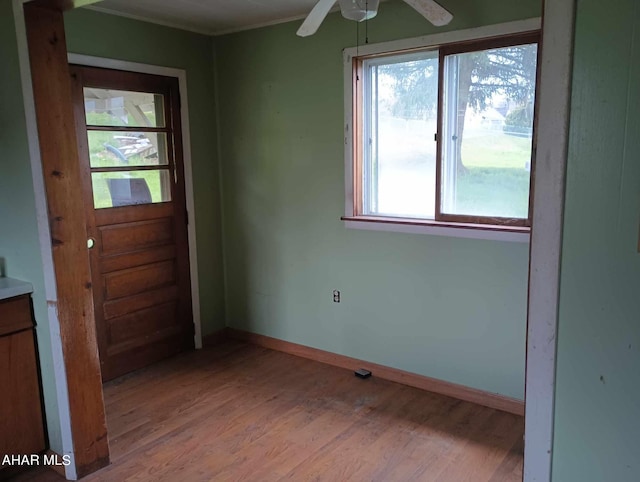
{"x": 359, "y": 10}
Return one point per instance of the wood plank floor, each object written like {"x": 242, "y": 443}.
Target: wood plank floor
{"x": 240, "y": 412}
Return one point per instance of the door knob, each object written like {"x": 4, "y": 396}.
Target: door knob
{"x": 90, "y": 243}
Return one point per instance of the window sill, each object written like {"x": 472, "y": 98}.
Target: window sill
{"x": 438, "y": 228}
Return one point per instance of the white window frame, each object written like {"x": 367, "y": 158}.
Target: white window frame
{"x": 462, "y": 230}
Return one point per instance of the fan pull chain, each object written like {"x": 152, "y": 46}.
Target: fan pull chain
{"x": 366, "y": 23}
{"x": 357, "y": 39}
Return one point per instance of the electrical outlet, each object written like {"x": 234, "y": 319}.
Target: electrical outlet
{"x": 336, "y": 296}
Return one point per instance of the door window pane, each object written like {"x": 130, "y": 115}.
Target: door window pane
{"x": 113, "y": 189}
{"x": 487, "y": 131}
{"x": 117, "y": 148}
{"x": 400, "y": 123}
{"x": 104, "y": 107}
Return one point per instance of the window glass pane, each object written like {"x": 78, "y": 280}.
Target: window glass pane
{"x": 105, "y": 107}
{"x": 117, "y": 149}
{"x": 400, "y": 102}
{"x": 113, "y": 189}
{"x": 487, "y": 131}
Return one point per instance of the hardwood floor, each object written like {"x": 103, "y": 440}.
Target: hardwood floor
{"x": 240, "y": 412}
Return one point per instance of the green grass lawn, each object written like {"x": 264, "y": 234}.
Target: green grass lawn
{"x": 101, "y": 196}
{"x": 493, "y": 191}
{"x": 101, "y": 157}
{"x": 495, "y": 149}
{"x": 497, "y": 183}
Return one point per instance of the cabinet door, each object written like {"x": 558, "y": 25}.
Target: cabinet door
{"x": 21, "y": 427}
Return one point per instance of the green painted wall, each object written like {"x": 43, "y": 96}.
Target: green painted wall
{"x": 449, "y": 308}
{"x": 97, "y": 34}
{"x": 19, "y": 247}
{"x": 598, "y": 367}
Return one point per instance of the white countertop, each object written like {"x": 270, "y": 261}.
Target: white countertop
{"x": 10, "y": 287}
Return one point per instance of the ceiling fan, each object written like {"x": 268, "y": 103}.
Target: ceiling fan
{"x": 360, "y": 10}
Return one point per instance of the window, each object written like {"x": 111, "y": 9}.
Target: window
{"x": 130, "y": 145}
{"x": 444, "y": 135}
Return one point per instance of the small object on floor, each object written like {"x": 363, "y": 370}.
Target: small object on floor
{"x": 362, "y": 373}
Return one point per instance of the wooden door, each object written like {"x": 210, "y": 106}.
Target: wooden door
{"x": 130, "y": 148}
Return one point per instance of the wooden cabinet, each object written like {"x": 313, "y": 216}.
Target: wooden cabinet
{"x": 21, "y": 413}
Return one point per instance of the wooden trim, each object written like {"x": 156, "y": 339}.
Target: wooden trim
{"x": 440, "y": 230}
{"x": 442, "y": 224}
{"x": 473, "y": 395}
{"x": 534, "y": 138}
{"x": 63, "y": 4}
{"x": 496, "y": 42}
{"x": 462, "y": 46}
{"x": 524, "y": 38}
{"x": 492, "y": 220}
{"x": 124, "y": 79}
{"x": 147, "y": 167}
{"x": 44, "y": 238}
{"x": 358, "y": 134}
{"x": 443, "y": 38}
{"x": 214, "y": 339}
{"x": 439, "y": 134}
{"x": 358, "y": 118}
{"x": 74, "y": 305}
{"x": 136, "y": 129}
{"x": 58, "y": 469}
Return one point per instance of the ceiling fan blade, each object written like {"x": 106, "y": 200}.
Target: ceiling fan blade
{"x": 315, "y": 18}
{"x": 432, "y": 11}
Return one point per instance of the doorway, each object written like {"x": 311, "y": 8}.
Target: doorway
{"x": 130, "y": 148}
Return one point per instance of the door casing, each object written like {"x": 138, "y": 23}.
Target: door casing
{"x": 181, "y": 75}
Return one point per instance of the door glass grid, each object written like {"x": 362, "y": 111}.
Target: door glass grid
{"x": 129, "y": 147}
{"x": 119, "y": 108}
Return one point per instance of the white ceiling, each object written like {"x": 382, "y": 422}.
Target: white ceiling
{"x": 212, "y": 17}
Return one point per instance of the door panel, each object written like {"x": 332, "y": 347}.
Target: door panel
{"x": 124, "y": 238}
{"x": 124, "y": 306}
{"x": 132, "y": 281}
{"x": 138, "y": 258}
{"x": 141, "y": 322}
{"x": 130, "y": 146}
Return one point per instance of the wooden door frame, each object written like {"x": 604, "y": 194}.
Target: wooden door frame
{"x": 181, "y": 75}
{"x": 44, "y": 241}
{"x": 76, "y": 366}
{"x": 62, "y": 228}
